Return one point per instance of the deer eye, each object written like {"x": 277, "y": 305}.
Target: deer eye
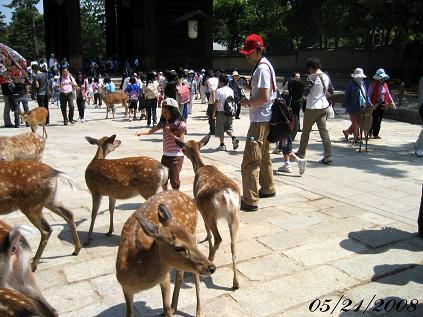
{"x": 179, "y": 248}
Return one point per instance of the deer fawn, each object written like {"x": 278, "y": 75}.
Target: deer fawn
{"x": 120, "y": 178}
{"x": 36, "y": 117}
{"x": 30, "y": 186}
{"x": 365, "y": 121}
{"x": 22, "y": 147}
{"x": 158, "y": 236}
{"x": 216, "y": 196}
{"x": 19, "y": 293}
{"x": 112, "y": 98}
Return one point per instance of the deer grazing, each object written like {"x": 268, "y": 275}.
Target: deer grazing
{"x": 365, "y": 121}
{"x": 157, "y": 237}
{"x": 19, "y": 293}
{"x": 120, "y": 178}
{"x": 22, "y": 147}
{"x": 112, "y": 98}
{"x": 35, "y": 117}
{"x": 217, "y": 196}
{"x": 30, "y": 186}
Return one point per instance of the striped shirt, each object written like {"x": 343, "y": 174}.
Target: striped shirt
{"x": 170, "y": 148}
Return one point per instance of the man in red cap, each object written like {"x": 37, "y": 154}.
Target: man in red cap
{"x": 256, "y": 165}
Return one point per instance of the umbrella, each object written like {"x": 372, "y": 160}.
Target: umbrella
{"x": 12, "y": 66}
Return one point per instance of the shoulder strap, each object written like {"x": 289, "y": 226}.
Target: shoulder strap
{"x": 323, "y": 84}
{"x": 361, "y": 90}
{"x": 271, "y": 75}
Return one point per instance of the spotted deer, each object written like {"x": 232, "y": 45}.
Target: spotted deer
{"x": 112, "y": 98}
{"x": 35, "y": 117}
{"x": 30, "y": 186}
{"x": 217, "y": 196}
{"x": 27, "y": 146}
{"x": 159, "y": 236}
{"x": 19, "y": 292}
{"x": 120, "y": 178}
{"x": 364, "y": 121}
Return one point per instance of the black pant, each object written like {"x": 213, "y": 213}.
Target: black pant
{"x": 377, "y": 119}
{"x": 151, "y": 105}
{"x": 42, "y": 101}
{"x": 80, "y": 103}
{"x": 238, "y": 110}
{"x": 97, "y": 97}
{"x": 66, "y": 99}
{"x": 212, "y": 122}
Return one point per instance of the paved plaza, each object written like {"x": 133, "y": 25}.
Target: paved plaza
{"x": 344, "y": 233}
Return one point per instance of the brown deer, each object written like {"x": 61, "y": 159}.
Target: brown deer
{"x": 22, "y": 147}
{"x": 365, "y": 121}
{"x": 112, "y": 98}
{"x": 36, "y": 117}
{"x": 159, "y": 236}
{"x": 217, "y": 196}
{"x": 19, "y": 292}
{"x": 120, "y": 178}
{"x": 30, "y": 186}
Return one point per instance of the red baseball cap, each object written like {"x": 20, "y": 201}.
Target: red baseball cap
{"x": 251, "y": 43}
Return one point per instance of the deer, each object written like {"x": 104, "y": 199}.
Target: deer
{"x": 22, "y": 147}
{"x": 30, "y": 186}
{"x": 120, "y": 178}
{"x": 217, "y": 196}
{"x": 159, "y": 236}
{"x": 19, "y": 292}
{"x": 112, "y": 98}
{"x": 364, "y": 122}
{"x": 35, "y": 117}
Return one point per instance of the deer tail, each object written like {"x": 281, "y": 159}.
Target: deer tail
{"x": 68, "y": 179}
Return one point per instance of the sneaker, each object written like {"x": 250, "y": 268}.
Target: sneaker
{"x": 222, "y": 148}
{"x": 419, "y": 153}
{"x": 277, "y": 151}
{"x": 325, "y": 159}
{"x": 285, "y": 168}
{"x": 376, "y": 137}
{"x": 235, "y": 143}
{"x": 302, "y": 165}
{"x": 263, "y": 195}
{"x": 246, "y": 207}
{"x": 130, "y": 119}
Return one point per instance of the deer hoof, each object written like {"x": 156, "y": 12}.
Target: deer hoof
{"x": 108, "y": 234}
{"x": 33, "y": 266}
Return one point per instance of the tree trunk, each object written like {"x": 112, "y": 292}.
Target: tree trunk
{"x": 34, "y": 35}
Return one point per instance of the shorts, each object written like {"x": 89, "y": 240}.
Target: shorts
{"x": 132, "y": 105}
{"x": 223, "y": 123}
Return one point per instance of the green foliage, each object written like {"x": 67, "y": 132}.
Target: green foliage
{"x": 3, "y": 28}
{"x": 93, "y": 28}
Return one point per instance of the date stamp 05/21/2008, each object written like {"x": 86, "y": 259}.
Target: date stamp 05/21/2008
{"x": 379, "y": 305}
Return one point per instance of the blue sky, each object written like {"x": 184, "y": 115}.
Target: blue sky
{"x": 8, "y": 12}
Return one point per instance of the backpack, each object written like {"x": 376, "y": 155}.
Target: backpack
{"x": 151, "y": 91}
{"x": 133, "y": 95}
{"x": 282, "y": 123}
{"x": 183, "y": 93}
{"x": 229, "y": 106}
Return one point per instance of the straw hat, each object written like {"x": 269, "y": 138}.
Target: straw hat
{"x": 358, "y": 73}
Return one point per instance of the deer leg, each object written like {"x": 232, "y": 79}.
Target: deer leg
{"x": 36, "y": 217}
{"x": 107, "y": 111}
{"x": 361, "y": 139}
{"x": 113, "y": 111}
{"x": 165, "y": 287}
{"x": 198, "y": 312}
{"x": 44, "y": 131}
{"x": 129, "y": 299}
{"x": 96, "y": 205}
{"x": 216, "y": 236}
{"x": 178, "y": 282}
{"x": 68, "y": 216}
{"x": 366, "y": 135}
{"x": 233, "y": 229}
{"x": 112, "y": 204}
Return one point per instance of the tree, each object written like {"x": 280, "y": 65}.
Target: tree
{"x": 93, "y": 28}
{"x": 3, "y": 28}
{"x": 32, "y": 12}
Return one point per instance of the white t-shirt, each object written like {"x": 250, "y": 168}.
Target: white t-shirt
{"x": 262, "y": 78}
{"x": 212, "y": 84}
{"x": 221, "y": 95}
{"x": 316, "y": 98}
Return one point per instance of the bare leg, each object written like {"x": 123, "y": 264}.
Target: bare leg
{"x": 178, "y": 282}
{"x": 112, "y": 204}
{"x": 96, "y": 205}
{"x": 165, "y": 287}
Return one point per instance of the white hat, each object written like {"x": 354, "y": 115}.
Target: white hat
{"x": 235, "y": 73}
{"x": 358, "y": 73}
{"x": 191, "y": 71}
{"x": 380, "y": 74}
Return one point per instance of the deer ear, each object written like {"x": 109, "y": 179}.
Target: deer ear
{"x": 91, "y": 140}
{"x": 111, "y": 139}
{"x": 164, "y": 214}
{"x": 180, "y": 143}
{"x": 205, "y": 140}
{"x": 149, "y": 228}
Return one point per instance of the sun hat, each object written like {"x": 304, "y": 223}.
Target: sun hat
{"x": 358, "y": 73}
{"x": 171, "y": 103}
{"x": 251, "y": 43}
{"x": 380, "y": 74}
{"x": 191, "y": 71}
{"x": 235, "y": 73}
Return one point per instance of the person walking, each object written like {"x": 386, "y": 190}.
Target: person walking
{"x": 6, "y": 89}
{"x": 42, "y": 84}
{"x": 133, "y": 90}
{"x": 81, "y": 95}
{"x": 233, "y": 84}
{"x": 379, "y": 95}
{"x": 66, "y": 84}
{"x": 316, "y": 111}
{"x": 256, "y": 167}
{"x": 211, "y": 83}
{"x": 151, "y": 93}
{"x": 355, "y": 99}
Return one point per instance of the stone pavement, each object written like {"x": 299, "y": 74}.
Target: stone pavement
{"x": 343, "y": 233}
